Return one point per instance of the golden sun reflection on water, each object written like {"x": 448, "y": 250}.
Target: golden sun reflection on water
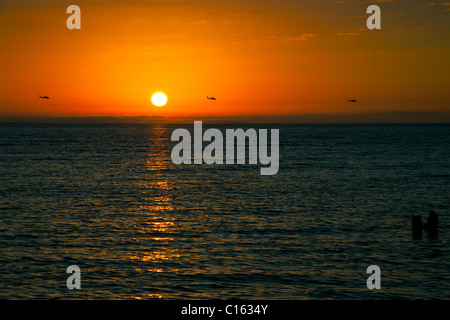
{"x": 155, "y": 252}
{"x": 162, "y": 185}
{"x": 156, "y": 256}
{"x": 149, "y": 296}
{"x": 161, "y": 203}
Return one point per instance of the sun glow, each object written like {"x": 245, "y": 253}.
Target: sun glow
{"x": 159, "y": 99}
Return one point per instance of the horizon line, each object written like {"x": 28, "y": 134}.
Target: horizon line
{"x": 344, "y": 118}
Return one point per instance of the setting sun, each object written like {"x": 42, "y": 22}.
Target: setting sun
{"x": 159, "y": 99}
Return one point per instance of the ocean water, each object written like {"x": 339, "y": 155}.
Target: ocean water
{"x": 109, "y": 199}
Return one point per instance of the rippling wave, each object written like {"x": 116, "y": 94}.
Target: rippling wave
{"x": 109, "y": 199}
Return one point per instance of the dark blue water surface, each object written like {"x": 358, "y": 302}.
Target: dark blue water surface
{"x": 109, "y": 199}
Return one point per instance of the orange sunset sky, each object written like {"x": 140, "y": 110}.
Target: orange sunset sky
{"x": 256, "y": 57}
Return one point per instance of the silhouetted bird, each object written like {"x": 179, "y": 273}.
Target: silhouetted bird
{"x": 44, "y": 97}
{"x": 212, "y": 98}
{"x": 351, "y": 100}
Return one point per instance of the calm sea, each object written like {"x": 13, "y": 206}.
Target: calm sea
{"x": 109, "y": 199}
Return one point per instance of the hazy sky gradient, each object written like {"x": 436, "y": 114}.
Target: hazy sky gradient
{"x": 256, "y": 57}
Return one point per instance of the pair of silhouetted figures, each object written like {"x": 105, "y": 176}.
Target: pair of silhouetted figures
{"x": 431, "y": 226}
